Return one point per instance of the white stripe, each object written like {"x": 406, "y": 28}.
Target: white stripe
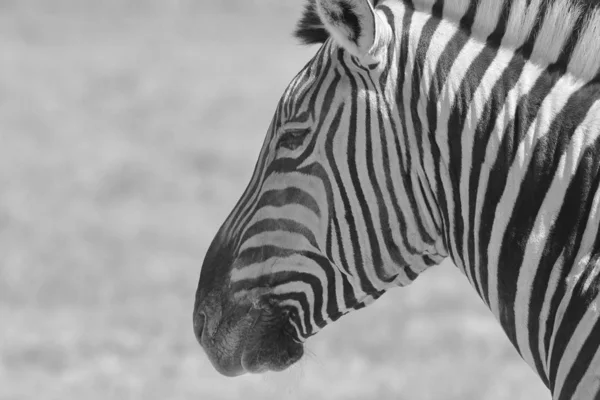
{"x": 558, "y": 24}
{"x": 551, "y": 206}
{"x": 301, "y": 287}
{"x": 585, "y": 61}
{"x": 552, "y": 105}
{"x": 455, "y": 10}
{"x": 486, "y": 18}
{"x": 480, "y": 98}
{"x": 553, "y": 284}
{"x": 523, "y": 16}
{"x": 580, "y": 334}
{"x": 503, "y": 118}
{"x": 590, "y": 384}
{"x": 302, "y": 329}
{"x": 439, "y": 40}
{"x": 444, "y": 106}
{"x": 581, "y": 262}
{"x": 278, "y": 238}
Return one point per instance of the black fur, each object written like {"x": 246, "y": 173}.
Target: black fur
{"x": 350, "y": 19}
{"x": 310, "y": 29}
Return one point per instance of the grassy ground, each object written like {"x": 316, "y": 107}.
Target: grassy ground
{"x": 128, "y": 129}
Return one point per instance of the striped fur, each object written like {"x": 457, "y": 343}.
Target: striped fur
{"x": 475, "y": 136}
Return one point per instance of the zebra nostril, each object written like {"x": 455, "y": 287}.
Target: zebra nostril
{"x": 199, "y": 321}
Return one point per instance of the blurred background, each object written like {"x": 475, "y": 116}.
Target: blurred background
{"x": 128, "y": 130}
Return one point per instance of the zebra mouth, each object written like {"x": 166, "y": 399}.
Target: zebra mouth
{"x": 271, "y": 344}
{"x": 274, "y": 350}
{"x": 252, "y": 340}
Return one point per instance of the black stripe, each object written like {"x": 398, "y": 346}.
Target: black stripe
{"x": 584, "y": 359}
{"x": 352, "y": 155}
{"x": 299, "y": 90}
{"x": 442, "y": 70}
{"x": 569, "y": 47}
{"x": 301, "y": 298}
{"x": 404, "y": 156}
{"x": 288, "y": 164}
{"x": 417, "y": 74}
{"x": 456, "y": 123}
{"x": 438, "y": 9}
{"x": 306, "y": 77}
{"x": 564, "y": 237}
{"x": 525, "y": 113}
{"x": 393, "y": 249}
{"x": 532, "y": 191}
{"x": 467, "y": 20}
{"x": 323, "y": 64}
{"x": 480, "y": 141}
{"x": 234, "y": 219}
{"x": 527, "y": 47}
{"x": 526, "y": 109}
{"x": 573, "y": 315}
{"x": 495, "y": 38}
{"x": 319, "y": 172}
{"x": 419, "y": 66}
{"x": 333, "y": 308}
{"x": 384, "y": 219}
{"x": 366, "y": 285}
{"x": 274, "y": 279}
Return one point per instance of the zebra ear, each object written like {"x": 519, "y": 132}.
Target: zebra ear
{"x": 352, "y": 23}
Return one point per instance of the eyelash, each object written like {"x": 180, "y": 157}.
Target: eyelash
{"x": 292, "y": 139}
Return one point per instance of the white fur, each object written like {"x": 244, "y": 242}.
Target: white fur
{"x": 424, "y": 5}
{"x": 555, "y": 31}
{"x": 456, "y": 9}
{"x": 487, "y": 17}
{"x": 586, "y": 57}
{"x": 520, "y": 22}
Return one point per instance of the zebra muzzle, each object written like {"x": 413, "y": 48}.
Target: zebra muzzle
{"x": 247, "y": 339}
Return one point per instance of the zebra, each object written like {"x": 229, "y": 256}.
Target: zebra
{"x": 422, "y": 130}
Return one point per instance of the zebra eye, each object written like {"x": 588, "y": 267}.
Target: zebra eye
{"x": 292, "y": 139}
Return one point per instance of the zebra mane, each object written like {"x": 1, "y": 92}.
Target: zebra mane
{"x": 569, "y": 28}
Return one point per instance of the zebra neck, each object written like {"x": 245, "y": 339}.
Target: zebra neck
{"x": 507, "y": 148}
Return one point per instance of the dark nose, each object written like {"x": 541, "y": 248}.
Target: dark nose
{"x": 199, "y": 321}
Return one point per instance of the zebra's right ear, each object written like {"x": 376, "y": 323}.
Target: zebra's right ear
{"x": 353, "y": 24}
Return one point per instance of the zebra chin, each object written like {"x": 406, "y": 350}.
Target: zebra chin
{"x": 271, "y": 356}
{"x": 258, "y": 359}
{"x": 274, "y": 353}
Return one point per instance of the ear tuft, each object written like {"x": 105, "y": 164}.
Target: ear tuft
{"x": 350, "y": 22}
{"x": 310, "y": 29}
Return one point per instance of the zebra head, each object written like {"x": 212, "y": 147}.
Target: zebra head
{"x": 329, "y": 219}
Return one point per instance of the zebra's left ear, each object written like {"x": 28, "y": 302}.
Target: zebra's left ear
{"x": 352, "y": 23}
